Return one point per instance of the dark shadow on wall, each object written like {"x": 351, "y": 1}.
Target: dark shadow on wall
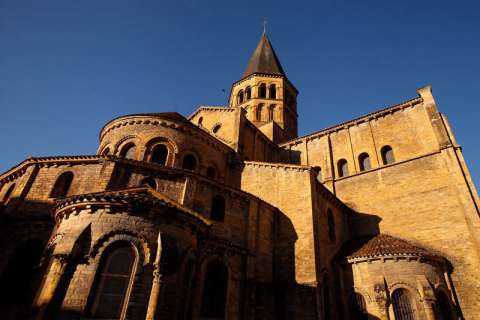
{"x": 25, "y": 228}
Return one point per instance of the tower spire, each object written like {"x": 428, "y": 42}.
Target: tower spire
{"x": 264, "y": 59}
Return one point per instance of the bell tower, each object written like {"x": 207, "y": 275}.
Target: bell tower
{"x": 267, "y": 96}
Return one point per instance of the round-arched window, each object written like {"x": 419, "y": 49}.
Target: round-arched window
{"x": 189, "y": 162}
{"x": 364, "y": 161}
{"x": 159, "y": 154}
{"x": 387, "y": 155}
{"x": 128, "y": 151}
{"x": 402, "y": 305}
{"x": 216, "y": 128}
{"x": 211, "y": 172}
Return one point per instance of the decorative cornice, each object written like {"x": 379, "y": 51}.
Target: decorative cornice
{"x": 210, "y": 108}
{"x": 179, "y": 123}
{"x": 277, "y": 165}
{"x": 126, "y": 198}
{"x": 87, "y": 159}
{"x": 354, "y": 122}
{"x": 270, "y": 75}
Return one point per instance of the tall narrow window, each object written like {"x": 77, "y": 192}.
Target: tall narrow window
{"x": 258, "y": 116}
{"x": 271, "y": 110}
{"x": 402, "y": 305}
{"x": 342, "y": 167}
{"x": 331, "y": 226}
{"x": 214, "y": 291}
{"x": 218, "y": 208}
{"x": 8, "y": 193}
{"x": 387, "y": 155}
{"x": 211, "y": 172}
{"x": 326, "y": 297}
{"x": 273, "y": 91}
{"x": 240, "y": 96}
{"x": 364, "y": 161}
{"x": 200, "y": 120}
{"x": 128, "y": 151}
{"x": 262, "y": 90}
{"x": 248, "y": 93}
{"x": 113, "y": 281}
{"x": 189, "y": 162}
{"x": 62, "y": 185}
{"x": 159, "y": 154}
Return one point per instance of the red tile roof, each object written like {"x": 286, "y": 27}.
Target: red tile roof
{"x": 384, "y": 245}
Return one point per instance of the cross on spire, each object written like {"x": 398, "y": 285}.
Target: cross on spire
{"x": 264, "y": 25}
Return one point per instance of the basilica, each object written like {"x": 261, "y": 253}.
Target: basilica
{"x": 229, "y": 214}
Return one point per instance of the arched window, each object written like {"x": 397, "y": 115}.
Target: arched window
{"x": 8, "y": 193}
{"x": 364, "y": 161}
{"x": 19, "y": 274}
{"x": 258, "y": 116}
{"x": 342, "y": 167}
{"x": 128, "y": 151}
{"x": 273, "y": 91}
{"x": 271, "y": 112}
{"x": 387, "y": 155}
{"x": 240, "y": 96}
{"x": 214, "y": 291}
{"x": 262, "y": 90}
{"x": 331, "y": 226}
{"x": 248, "y": 93}
{"x": 159, "y": 154}
{"x": 443, "y": 306}
{"x": 358, "y": 307}
{"x": 211, "y": 172}
{"x": 326, "y": 297}
{"x": 62, "y": 185}
{"x": 149, "y": 182}
{"x": 189, "y": 162}
{"x": 218, "y": 208}
{"x": 106, "y": 151}
{"x": 200, "y": 120}
{"x": 113, "y": 281}
{"x": 402, "y": 305}
{"x": 216, "y": 128}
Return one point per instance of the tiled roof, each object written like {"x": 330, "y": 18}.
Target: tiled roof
{"x": 384, "y": 245}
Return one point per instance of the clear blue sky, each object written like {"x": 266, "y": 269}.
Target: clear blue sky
{"x": 68, "y": 67}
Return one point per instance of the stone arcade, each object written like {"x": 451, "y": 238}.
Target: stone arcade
{"x": 228, "y": 214}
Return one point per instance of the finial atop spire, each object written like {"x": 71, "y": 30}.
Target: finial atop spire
{"x": 264, "y": 25}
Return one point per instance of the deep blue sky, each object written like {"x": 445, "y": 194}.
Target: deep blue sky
{"x": 67, "y": 67}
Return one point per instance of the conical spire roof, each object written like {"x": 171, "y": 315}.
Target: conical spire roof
{"x": 264, "y": 59}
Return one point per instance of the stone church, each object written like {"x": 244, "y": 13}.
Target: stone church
{"x": 229, "y": 214}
